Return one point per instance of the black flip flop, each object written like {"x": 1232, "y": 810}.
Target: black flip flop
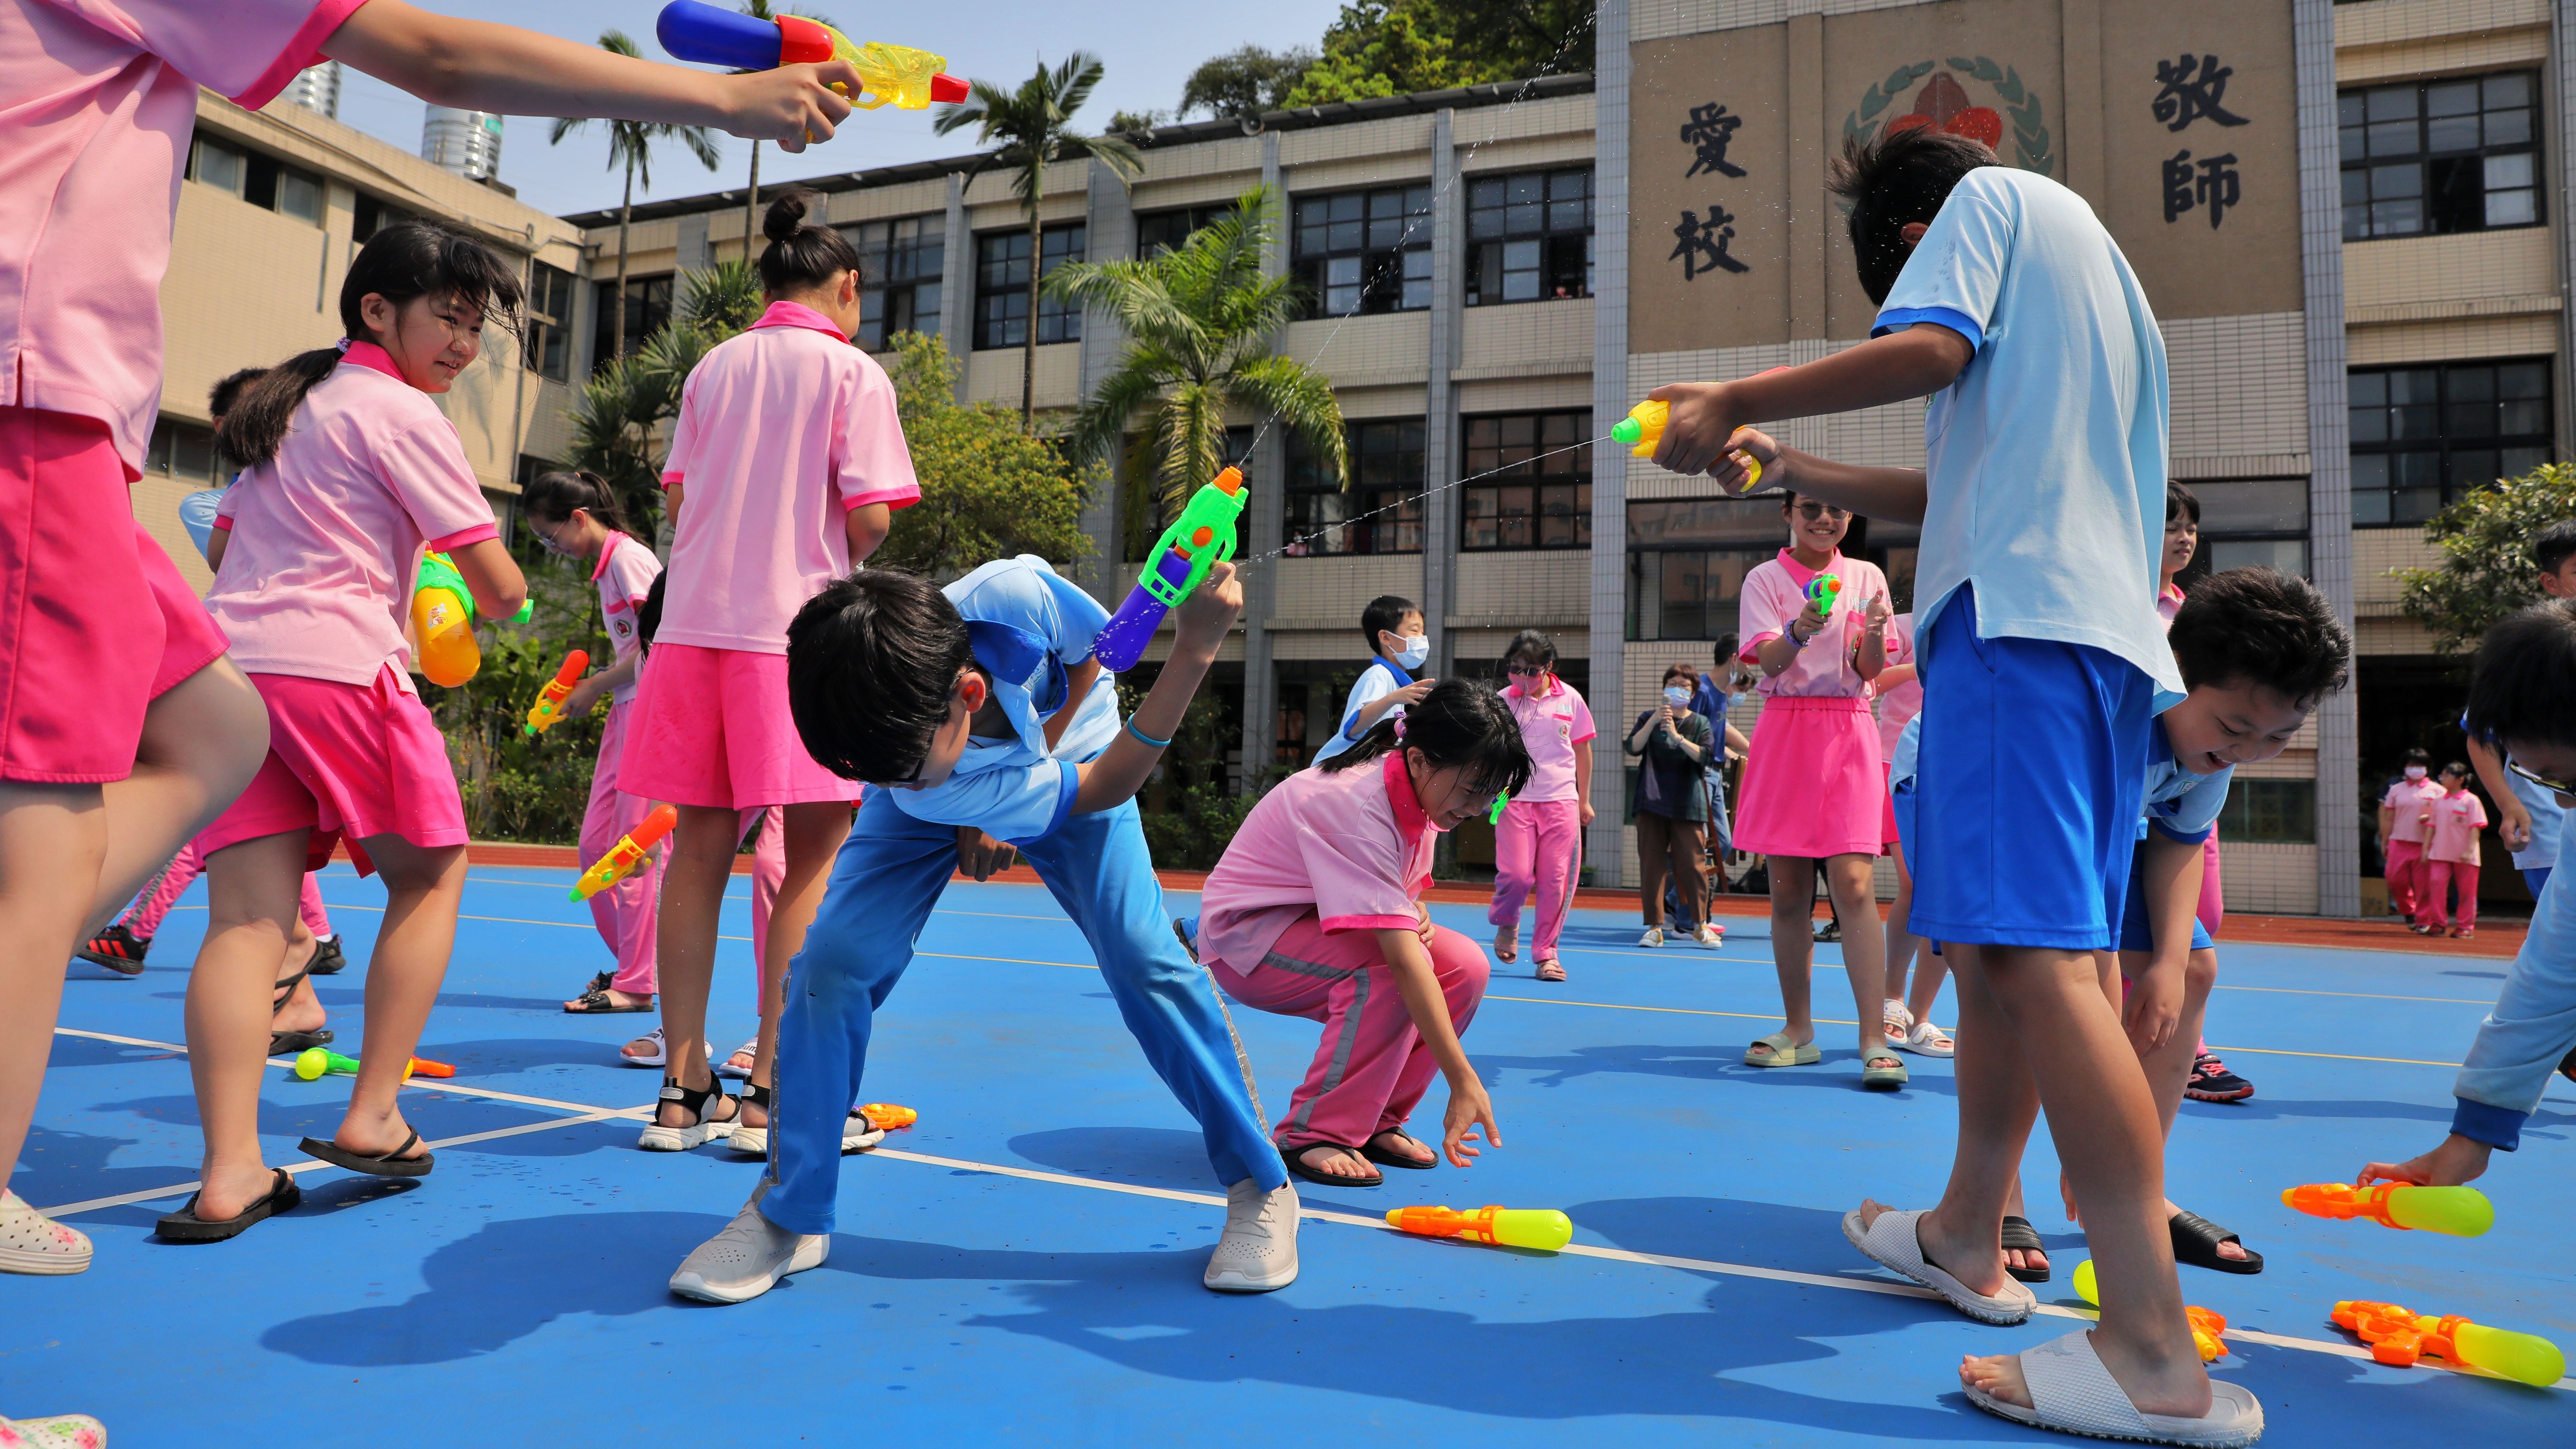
{"x": 288, "y": 1043}
{"x": 596, "y": 1003}
{"x": 2196, "y": 1240}
{"x": 392, "y": 1164}
{"x": 1297, "y": 1168}
{"x": 184, "y": 1226}
{"x": 1376, "y": 1154}
{"x": 2018, "y": 1233}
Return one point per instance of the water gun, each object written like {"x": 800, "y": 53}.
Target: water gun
{"x": 442, "y": 620}
{"x": 1643, "y": 428}
{"x": 2397, "y": 1337}
{"x": 2463, "y": 1212}
{"x": 910, "y": 79}
{"x": 1822, "y": 590}
{"x": 315, "y": 1062}
{"x": 887, "y": 1117}
{"x": 2206, "y": 1327}
{"x": 1200, "y": 539}
{"x": 1542, "y": 1228}
{"x": 620, "y": 861}
{"x": 1502, "y": 802}
{"x": 547, "y": 712}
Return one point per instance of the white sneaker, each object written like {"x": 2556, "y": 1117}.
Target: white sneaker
{"x": 1710, "y": 936}
{"x": 1258, "y": 1252}
{"x": 31, "y": 1242}
{"x": 726, "y": 1068}
{"x": 858, "y": 1134}
{"x": 1654, "y": 936}
{"x": 748, "y": 1258}
{"x": 55, "y": 1431}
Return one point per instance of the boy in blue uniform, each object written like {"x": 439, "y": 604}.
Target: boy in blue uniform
{"x": 1398, "y": 646}
{"x": 981, "y": 711}
{"x": 2043, "y": 658}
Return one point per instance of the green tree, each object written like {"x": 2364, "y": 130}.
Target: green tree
{"x": 630, "y": 144}
{"x": 518, "y": 787}
{"x": 1394, "y": 47}
{"x": 1027, "y": 128}
{"x": 616, "y": 424}
{"x": 1245, "y": 82}
{"x": 989, "y": 489}
{"x": 2486, "y": 570}
{"x": 1200, "y": 322}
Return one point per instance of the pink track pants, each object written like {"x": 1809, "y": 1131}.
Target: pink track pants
{"x": 1538, "y": 845}
{"x": 145, "y": 917}
{"x": 627, "y": 913}
{"x": 1371, "y": 1068}
{"x": 2434, "y": 909}
{"x": 2406, "y": 877}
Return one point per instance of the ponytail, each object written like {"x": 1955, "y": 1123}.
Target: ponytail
{"x": 554, "y": 496}
{"x": 800, "y": 258}
{"x": 399, "y": 263}
{"x": 1457, "y": 724}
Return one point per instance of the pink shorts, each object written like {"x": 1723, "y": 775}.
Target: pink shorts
{"x": 712, "y": 728}
{"x": 95, "y": 622}
{"x": 346, "y": 760}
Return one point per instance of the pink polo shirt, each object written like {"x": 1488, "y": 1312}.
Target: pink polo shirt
{"x": 2453, "y": 825}
{"x": 98, "y": 99}
{"x": 1905, "y": 701}
{"x": 327, "y": 536}
{"x": 2168, "y": 603}
{"x": 1552, "y": 724}
{"x": 2413, "y": 802}
{"x": 1775, "y": 593}
{"x": 783, "y": 430}
{"x": 624, "y": 574}
{"x": 1353, "y": 846}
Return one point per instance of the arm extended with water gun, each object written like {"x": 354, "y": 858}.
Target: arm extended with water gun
{"x": 1202, "y": 537}
{"x": 1643, "y": 428}
{"x": 1542, "y": 1228}
{"x": 548, "y": 711}
{"x": 626, "y": 855}
{"x": 2463, "y": 1212}
{"x": 442, "y": 622}
{"x": 899, "y": 75}
{"x": 2399, "y": 1336}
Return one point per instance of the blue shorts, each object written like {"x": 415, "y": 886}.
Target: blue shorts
{"x": 2135, "y": 934}
{"x": 2027, "y": 787}
{"x": 1901, "y": 801}
{"x": 2538, "y": 880}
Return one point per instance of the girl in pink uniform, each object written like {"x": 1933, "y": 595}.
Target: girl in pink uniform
{"x": 1815, "y": 788}
{"x": 2451, "y": 855}
{"x": 1315, "y": 911}
{"x": 352, "y": 472}
{"x": 1539, "y": 842}
{"x": 785, "y": 465}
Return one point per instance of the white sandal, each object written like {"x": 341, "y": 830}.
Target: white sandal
{"x": 31, "y": 1242}
{"x": 1894, "y": 1021}
{"x": 1928, "y": 1039}
{"x": 2072, "y": 1393}
{"x": 661, "y": 1051}
{"x": 726, "y": 1068}
{"x": 1890, "y": 1242}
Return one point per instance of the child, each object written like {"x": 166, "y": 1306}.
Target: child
{"x": 981, "y": 704}
{"x": 1316, "y": 911}
{"x": 1905, "y": 1015}
{"x": 351, "y": 472}
{"x": 785, "y": 465}
{"x": 2528, "y": 820}
{"x": 1393, "y": 627}
{"x": 2405, "y": 815}
{"x": 1539, "y": 843}
{"x": 1815, "y": 783}
{"x": 2451, "y": 855}
{"x": 1674, "y": 744}
{"x": 2522, "y": 701}
{"x": 2210, "y": 1081}
{"x": 2042, "y": 661}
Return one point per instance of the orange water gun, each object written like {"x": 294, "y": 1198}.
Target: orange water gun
{"x": 2463, "y": 1212}
{"x": 2398, "y": 1336}
{"x": 2205, "y": 1330}
{"x": 1544, "y": 1229}
{"x": 620, "y": 861}
{"x": 887, "y": 1117}
{"x": 547, "y": 712}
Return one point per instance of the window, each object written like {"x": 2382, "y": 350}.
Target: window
{"x": 1529, "y": 237}
{"x": 1364, "y": 251}
{"x": 2440, "y": 156}
{"x": 1002, "y": 288}
{"x": 261, "y": 180}
{"x": 901, "y": 261}
{"x": 2423, "y": 436}
{"x": 2272, "y": 812}
{"x": 2249, "y": 522}
{"x": 1687, "y": 558}
{"x": 373, "y": 216}
{"x": 1545, "y": 500}
{"x": 648, "y": 307}
{"x": 212, "y": 163}
{"x": 1381, "y": 512}
{"x": 549, "y": 322}
{"x": 182, "y": 450}
{"x": 1163, "y": 231}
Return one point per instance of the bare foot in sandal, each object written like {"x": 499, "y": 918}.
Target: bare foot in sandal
{"x": 1331, "y": 1160}
{"x": 1507, "y": 942}
{"x": 1550, "y": 969}
{"x": 1395, "y": 1142}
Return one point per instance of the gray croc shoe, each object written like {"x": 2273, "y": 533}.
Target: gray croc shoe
{"x": 2072, "y": 1393}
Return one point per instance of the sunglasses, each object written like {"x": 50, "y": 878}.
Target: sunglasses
{"x": 1525, "y": 671}
{"x": 1812, "y": 512}
{"x": 2561, "y": 787}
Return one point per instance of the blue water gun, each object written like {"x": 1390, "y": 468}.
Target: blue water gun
{"x": 907, "y": 78}
{"x": 1200, "y": 539}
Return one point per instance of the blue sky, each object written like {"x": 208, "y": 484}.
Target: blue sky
{"x": 1149, "y": 48}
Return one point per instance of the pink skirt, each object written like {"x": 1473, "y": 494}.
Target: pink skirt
{"x": 712, "y": 727}
{"x": 1813, "y": 783}
{"x": 346, "y": 760}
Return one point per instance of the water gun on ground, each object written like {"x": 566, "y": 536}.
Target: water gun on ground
{"x": 1200, "y": 539}
{"x": 621, "y": 860}
{"x": 315, "y": 1062}
{"x": 899, "y": 75}
{"x": 1643, "y": 428}
{"x": 547, "y": 712}
{"x": 2398, "y": 1336}
{"x": 1544, "y": 1229}
{"x": 442, "y": 621}
{"x": 887, "y": 1117}
{"x": 2206, "y": 1327}
{"x": 2463, "y": 1212}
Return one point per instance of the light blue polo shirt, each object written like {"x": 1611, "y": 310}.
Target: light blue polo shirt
{"x": 2046, "y": 457}
{"x": 1028, "y": 625}
{"x": 2181, "y": 805}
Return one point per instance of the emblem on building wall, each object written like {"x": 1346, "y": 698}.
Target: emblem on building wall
{"x": 1943, "y": 101}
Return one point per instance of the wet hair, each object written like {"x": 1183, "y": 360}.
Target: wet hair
{"x": 1532, "y": 646}
{"x": 870, "y": 664}
{"x": 2262, "y": 627}
{"x": 648, "y": 614}
{"x": 799, "y": 257}
{"x": 2180, "y": 501}
{"x": 1900, "y": 178}
{"x": 2418, "y": 757}
{"x": 554, "y": 496}
{"x": 1456, "y": 725}
{"x": 400, "y": 263}
{"x": 2457, "y": 767}
{"x": 221, "y": 397}
{"x": 2555, "y": 545}
{"x": 1385, "y": 613}
{"x": 2522, "y": 689}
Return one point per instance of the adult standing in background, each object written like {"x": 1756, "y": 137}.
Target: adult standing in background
{"x": 1673, "y": 743}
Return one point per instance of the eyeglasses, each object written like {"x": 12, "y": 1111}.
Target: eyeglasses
{"x": 1815, "y": 511}
{"x": 2544, "y": 782}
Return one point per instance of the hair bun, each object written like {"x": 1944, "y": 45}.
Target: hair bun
{"x": 786, "y": 217}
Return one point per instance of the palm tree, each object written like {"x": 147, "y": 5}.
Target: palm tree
{"x": 630, "y": 144}
{"x": 1027, "y": 128}
{"x": 1200, "y": 320}
{"x": 760, "y": 10}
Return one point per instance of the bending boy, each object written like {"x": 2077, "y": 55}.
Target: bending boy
{"x": 2043, "y": 661}
{"x": 980, "y": 704}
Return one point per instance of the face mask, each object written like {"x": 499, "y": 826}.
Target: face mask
{"x": 1677, "y": 697}
{"x": 2414, "y": 772}
{"x": 1415, "y": 650}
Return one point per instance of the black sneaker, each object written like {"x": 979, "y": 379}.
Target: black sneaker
{"x": 1830, "y": 931}
{"x": 117, "y": 949}
{"x": 2211, "y": 1081}
{"x": 327, "y": 960}
{"x": 2567, "y": 1066}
